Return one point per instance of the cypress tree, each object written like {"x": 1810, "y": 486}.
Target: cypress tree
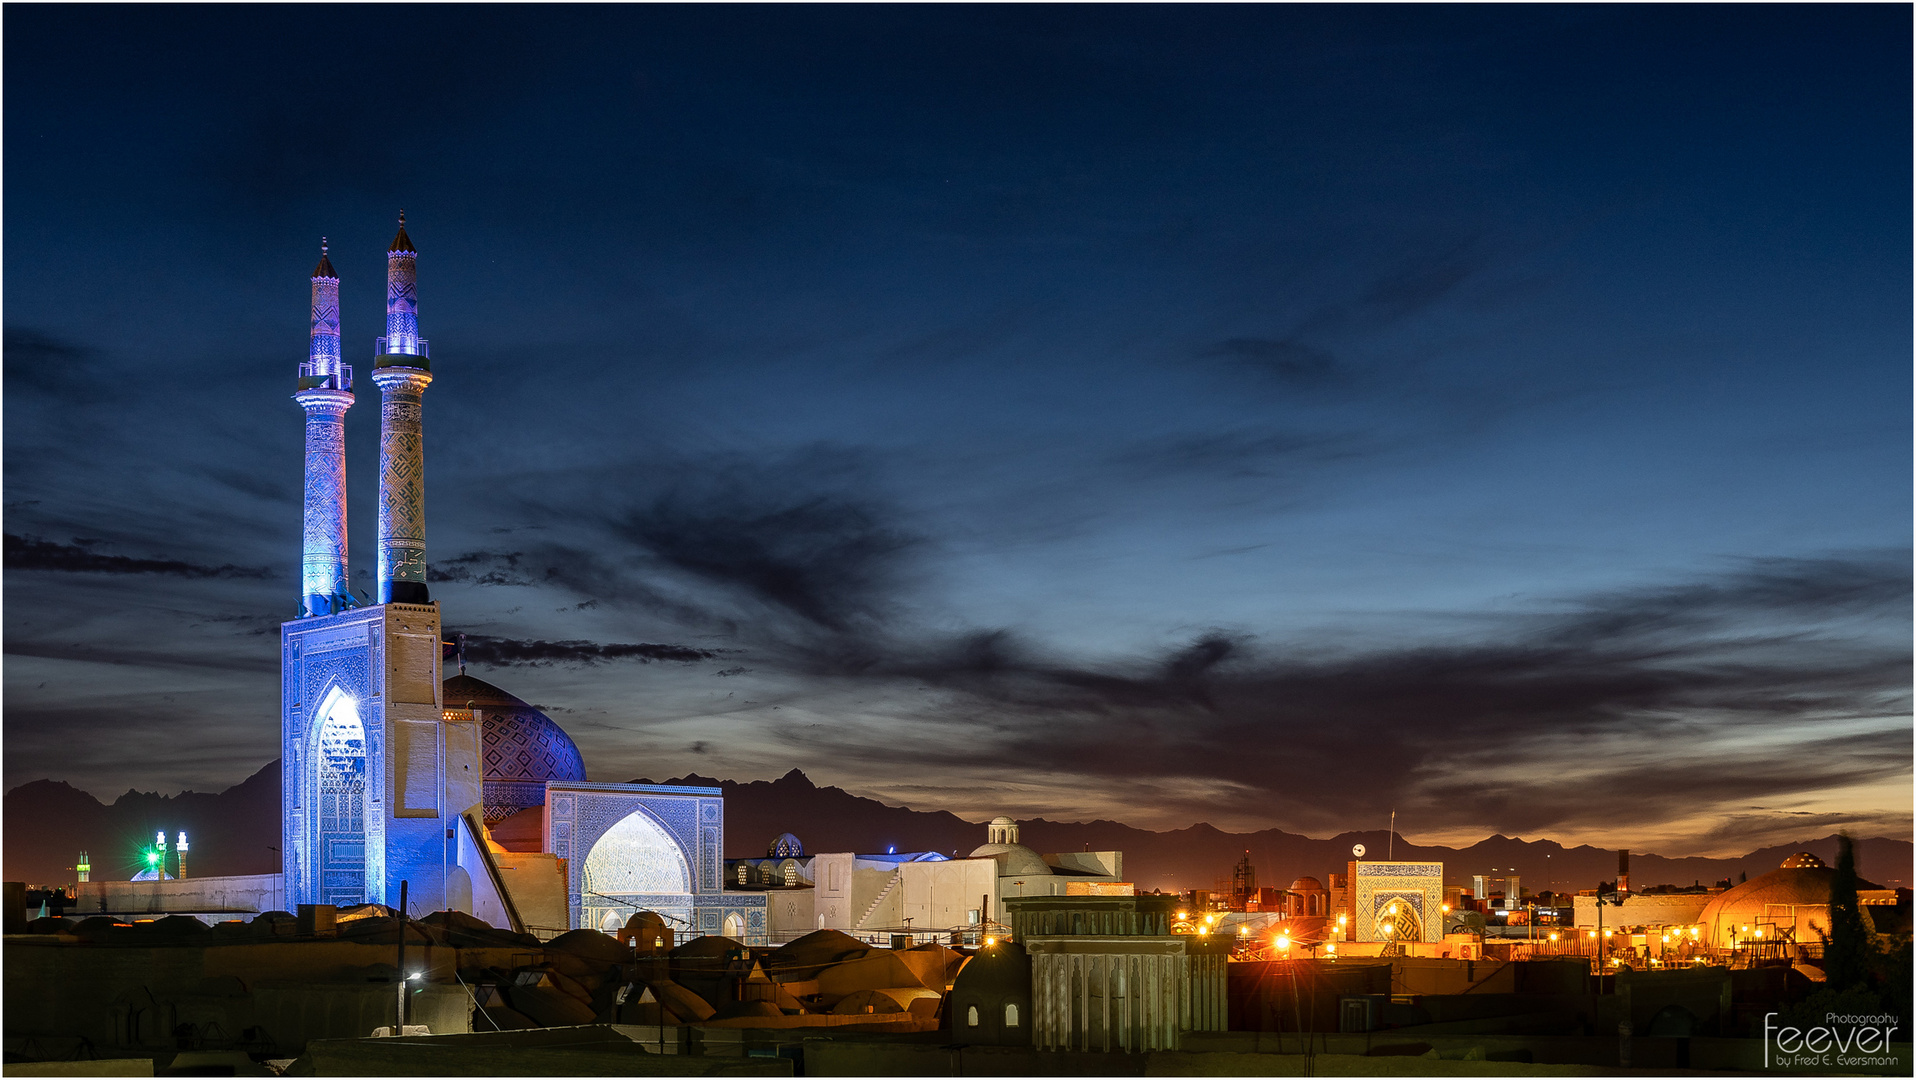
{"x": 1847, "y": 950}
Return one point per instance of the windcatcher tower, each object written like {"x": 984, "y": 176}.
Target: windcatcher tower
{"x": 325, "y": 392}
{"x": 402, "y": 370}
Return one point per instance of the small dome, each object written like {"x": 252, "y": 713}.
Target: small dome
{"x": 1014, "y": 860}
{"x": 1802, "y": 860}
{"x": 1307, "y": 884}
{"x": 786, "y": 846}
{"x": 1002, "y": 820}
{"x": 520, "y": 747}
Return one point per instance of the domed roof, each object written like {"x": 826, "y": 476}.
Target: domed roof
{"x": 785, "y": 846}
{"x": 1014, "y": 860}
{"x": 1307, "y": 884}
{"x": 520, "y": 747}
{"x": 1803, "y": 881}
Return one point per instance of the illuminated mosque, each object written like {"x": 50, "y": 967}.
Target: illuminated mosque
{"x": 395, "y": 776}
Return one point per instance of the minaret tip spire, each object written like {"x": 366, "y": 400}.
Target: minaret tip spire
{"x": 325, "y": 270}
{"x": 401, "y": 242}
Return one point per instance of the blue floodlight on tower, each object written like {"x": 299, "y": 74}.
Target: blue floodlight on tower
{"x": 377, "y": 779}
{"x": 403, "y": 371}
{"x": 325, "y": 392}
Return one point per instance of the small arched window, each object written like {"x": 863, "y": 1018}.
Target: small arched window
{"x": 791, "y": 873}
{"x": 971, "y": 1016}
{"x": 1011, "y": 1016}
{"x": 742, "y": 871}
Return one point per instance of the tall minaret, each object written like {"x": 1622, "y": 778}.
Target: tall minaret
{"x": 403, "y": 372}
{"x": 325, "y": 392}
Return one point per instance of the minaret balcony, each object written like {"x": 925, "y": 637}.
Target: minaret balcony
{"x": 402, "y": 358}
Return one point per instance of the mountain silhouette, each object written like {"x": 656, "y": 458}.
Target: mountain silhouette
{"x": 48, "y": 823}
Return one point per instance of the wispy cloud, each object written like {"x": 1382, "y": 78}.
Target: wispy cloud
{"x": 1671, "y": 702}
{"x": 30, "y": 553}
{"x": 505, "y": 652}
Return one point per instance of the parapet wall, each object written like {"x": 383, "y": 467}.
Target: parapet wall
{"x": 235, "y": 897}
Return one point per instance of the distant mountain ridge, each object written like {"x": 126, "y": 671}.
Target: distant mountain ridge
{"x": 48, "y": 823}
{"x": 831, "y": 819}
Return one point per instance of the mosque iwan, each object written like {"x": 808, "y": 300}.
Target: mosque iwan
{"x": 455, "y": 896}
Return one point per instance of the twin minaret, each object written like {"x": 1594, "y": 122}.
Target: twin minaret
{"x": 402, "y": 371}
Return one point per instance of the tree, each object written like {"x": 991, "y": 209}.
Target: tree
{"x": 1846, "y": 953}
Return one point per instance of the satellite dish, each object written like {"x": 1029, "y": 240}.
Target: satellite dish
{"x": 1357, "y": 850}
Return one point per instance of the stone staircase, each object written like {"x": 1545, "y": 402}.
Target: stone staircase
{"x": 896, "y": 877}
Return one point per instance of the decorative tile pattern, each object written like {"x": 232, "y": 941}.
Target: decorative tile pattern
{"x": 1417, "y": 886}
{"x": 582, "y": 817}
{"x": 520, "y": 750}
{"x": 323, "y": 580}
{"x": 402, "y": 302}
{"x": 402, "y": 477}
{"x": 324, "y": 354}
{"x": 332, "y": 835}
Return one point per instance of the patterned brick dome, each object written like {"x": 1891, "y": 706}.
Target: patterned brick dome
{"x": 520, "y": 747}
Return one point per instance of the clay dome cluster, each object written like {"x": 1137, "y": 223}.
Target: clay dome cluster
{"x": 520, "y": 747}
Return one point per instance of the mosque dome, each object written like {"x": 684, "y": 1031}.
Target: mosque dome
{"x": 1307, "y": 884}
{"x": 785, "y": 846}
{"x": 520, "y": 747}
{"x": 1795, "y": 895}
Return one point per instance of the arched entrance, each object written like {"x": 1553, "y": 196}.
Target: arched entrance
{"x": 1398, "y": 921}
{"x": 339, "y": 823}
{"x": 634, "y": 858}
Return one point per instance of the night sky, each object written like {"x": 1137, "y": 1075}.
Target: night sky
{"x": 1264, "y": 416}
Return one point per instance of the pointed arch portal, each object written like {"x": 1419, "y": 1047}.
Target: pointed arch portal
{"x": 340, "y": 824}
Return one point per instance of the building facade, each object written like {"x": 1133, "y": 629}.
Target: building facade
{"x": 1396, "y": 902}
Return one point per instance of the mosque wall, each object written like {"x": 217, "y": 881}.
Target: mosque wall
{"x": 790, "y": 914}
{"x": 238, "y": 896}
{"x": 376, "y": 773}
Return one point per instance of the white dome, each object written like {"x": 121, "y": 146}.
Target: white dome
{"x": 1014, "y": 860}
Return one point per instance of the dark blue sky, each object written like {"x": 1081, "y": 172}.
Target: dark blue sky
{"x": 1262, "y": 415}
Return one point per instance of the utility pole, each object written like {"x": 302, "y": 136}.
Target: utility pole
{"x": 399, "y": 1023}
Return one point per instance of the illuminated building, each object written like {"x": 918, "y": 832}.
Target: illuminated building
{"x": 325, "y": 392}
{"x": 1396, "y": 902}
{"x": 1790, "y": 904}
{"x": 380, "y": 785}
{"x": 393, "y": 773}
